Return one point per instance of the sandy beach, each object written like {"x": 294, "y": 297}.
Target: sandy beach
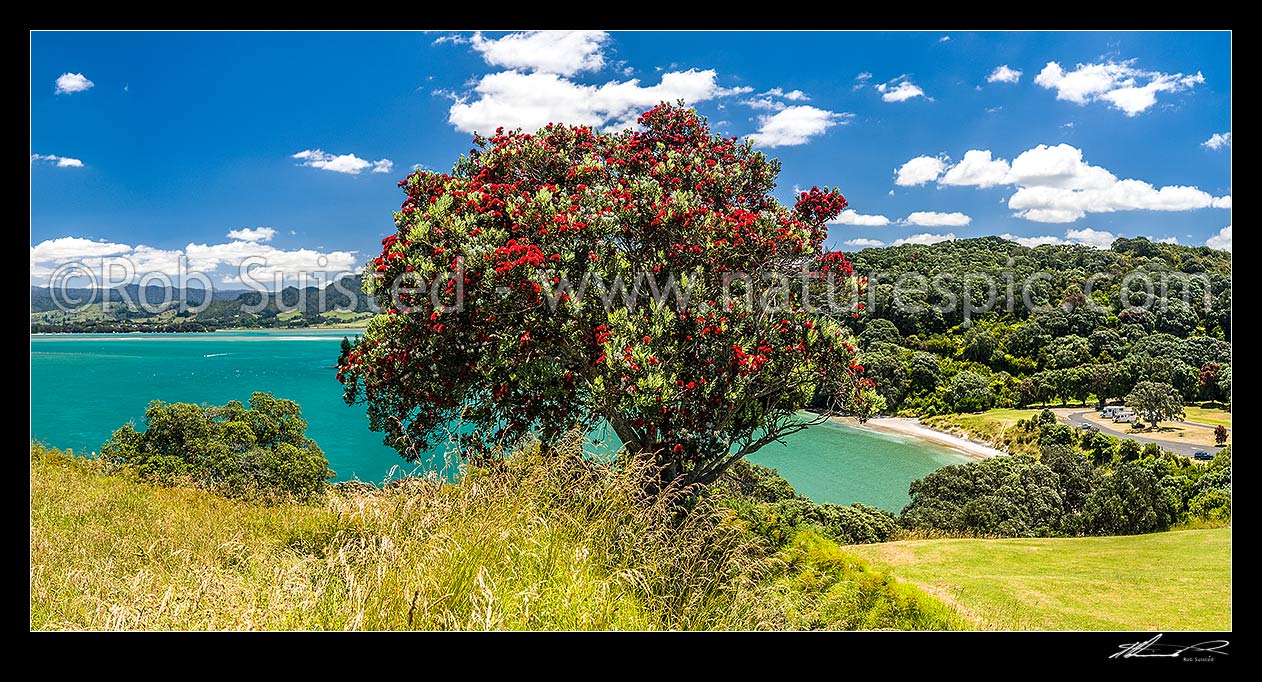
{"x": 913, "y": 427}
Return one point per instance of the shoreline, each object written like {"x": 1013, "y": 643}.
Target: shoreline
{"x": 905, "y": 426}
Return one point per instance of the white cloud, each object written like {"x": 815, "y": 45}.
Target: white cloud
{"x": 977, "y": 169}
{"x": 58, "y": 161}
{"x": 453, "y": 38}
{"x": 1218, "y": 141}
{"x": 900, "y": 92}
{"x": 863, "y": 243}
{"x": 920, "y": 170}
{"x": 1004, "y": 74}
{"x": 1117, "y": 83}
{"x": 771, "y": 99}
{"x": 863, "y": 76}
{"x": 1033, "y": 241}
{"x": 262, "y": 262}
{"x": 1168, "y": 240}
{"x": 1055, "y": 184}
{"x": 532, "y": 100}
{"x": 561, "y": 52}
{"x": 925, "y": 238}
{"x": 253, "y": 234}
{"x": 792, "y": 95}
{"x": 68, "y": 83}
{"x": 849, "y": 217}
{"x": 764, "y": 103}
{"x": 795, "y": 125}
{"x": 344, "y": 163}
{"x": 1220, "y": 241}
{"x": 935, "y": 219}
{"x": 1097, "y": 238}
{"x": 944, "y": 39}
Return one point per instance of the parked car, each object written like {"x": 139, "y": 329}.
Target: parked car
{"x": 1088, "y": 427}
{"x": 1202, "y": 455}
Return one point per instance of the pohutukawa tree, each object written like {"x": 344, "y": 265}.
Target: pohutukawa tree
{"x": 645, "y": 279}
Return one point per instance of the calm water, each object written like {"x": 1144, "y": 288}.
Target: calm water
{"x": 83, "y": 386}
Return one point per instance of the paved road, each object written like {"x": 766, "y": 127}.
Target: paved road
{"x": 1179, "y": 447}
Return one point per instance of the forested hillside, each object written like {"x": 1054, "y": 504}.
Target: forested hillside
{"x": 1097, "y": 322}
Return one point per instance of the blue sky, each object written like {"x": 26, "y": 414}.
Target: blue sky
{"x": 155, "y": 146}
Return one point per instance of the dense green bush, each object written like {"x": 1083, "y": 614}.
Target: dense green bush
{"x": 1062, "y": 493}
{"x": 772, "y": 509}
{"x": 261, "y": 450}
{"x": 845, "y": 525}
{"x": 1015, "y": 496}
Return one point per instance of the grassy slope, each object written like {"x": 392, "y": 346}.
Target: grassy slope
{"x": 528, "y": 547}
{"x": 1207, "y": 415}
{"x": 1180, "y": 580}
{"x": 990, "y": 426}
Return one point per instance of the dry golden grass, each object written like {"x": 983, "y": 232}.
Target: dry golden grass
{"x": 533, "y": 543}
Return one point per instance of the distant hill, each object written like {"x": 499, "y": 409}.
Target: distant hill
{"x": 123, "y": 308}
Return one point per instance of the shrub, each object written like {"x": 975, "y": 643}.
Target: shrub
{"x": 1014, "y": 496}
{"x": 754, "y": 482}
{"x": 237, "y": 451}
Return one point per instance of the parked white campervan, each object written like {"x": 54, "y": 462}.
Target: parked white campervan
{"x": 1125, "y": 417}
{"x": 1111, "y": 411}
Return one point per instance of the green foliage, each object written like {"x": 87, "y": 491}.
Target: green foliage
{"x": 1072, "y": 344}
{"x": 261, "y": 450}
{"x": 773, "y": 510}
{"x": 692, "y": 379}
{"x": 1067, "y": 492}
{"x": 1130, "y": 500}
{"x": 970, "y": 392}
{"x": 1155, "y": 402}
{"x": 856, "y": 524}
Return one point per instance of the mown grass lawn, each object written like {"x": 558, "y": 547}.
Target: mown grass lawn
{"x": 1179, "y": 580}
{"x": 1209, "y": 416}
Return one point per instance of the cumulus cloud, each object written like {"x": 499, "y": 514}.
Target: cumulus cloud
{"x": 532, "y": 100}
{"x": 1004, "y": 74}
{"x": 1119, "y": 84}
{"x": 1097, "y": 238}
{"x": 1168, "y": 240}
{"x": 58, "y": 161}
{"x": 863, "y": 243}
{"x": 1218, "y": 141}
{"x": 238, "y": 261}
{"x": 919, "y": 170}
{"x": 796, "y": 125}
{"x": 253, "y": 234}
{"x": 944, "y": 39}
{"x": 925, "y": 238}
{"x": 1086, "y": 237}
{"x": 561, "y": 52}
{"x": 977, "y": 169}
{"x": 1220, "y": 241}
{"x": 348, "y": 164}
{"x": 849, "y": 217}
{"x": 68, "y": 83}
{"x": 935, "y": 219}
{"x": 1056, "y": 185}
{"x": 899, "y": 90}
{"x": 1033, "y": 241}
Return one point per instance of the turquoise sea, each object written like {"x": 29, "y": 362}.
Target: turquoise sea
{"x": 83, "y": 386}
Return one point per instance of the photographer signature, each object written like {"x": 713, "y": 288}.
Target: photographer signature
{"x": 1154, "y": 649}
